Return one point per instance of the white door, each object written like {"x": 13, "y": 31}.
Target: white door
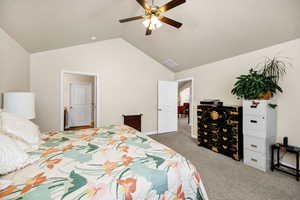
{"x": 80, "y": 104}
{"x": 167, "y": 106}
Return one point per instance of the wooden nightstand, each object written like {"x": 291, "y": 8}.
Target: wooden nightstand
{"x": 134, "y": 121}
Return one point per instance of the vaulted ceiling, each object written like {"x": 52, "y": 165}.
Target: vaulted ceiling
{"x": 212, "y": 29}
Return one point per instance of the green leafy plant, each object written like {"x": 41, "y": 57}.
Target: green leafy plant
{"x": 272, "y": 105}
{"x": 255, "y": 85}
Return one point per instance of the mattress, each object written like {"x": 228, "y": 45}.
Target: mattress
{"x": 110, "y": 163}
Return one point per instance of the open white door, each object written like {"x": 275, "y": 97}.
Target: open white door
{"x": 80, "y": 104}
{"x": 167, "y": 106}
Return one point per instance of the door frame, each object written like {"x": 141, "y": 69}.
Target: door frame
{"x": 97, "y": 97}
{"x": 191, "y": 105}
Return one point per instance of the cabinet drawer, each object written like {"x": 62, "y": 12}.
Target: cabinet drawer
{"x": 255, "y": 159}
{"x": 253, "y": 122}
{"x": 255, "y": 107}
{"x": 255, "y": 144}
{"x": 259, "y": 134}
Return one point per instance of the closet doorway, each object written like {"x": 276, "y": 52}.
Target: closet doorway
{"x": 79, "y": 100}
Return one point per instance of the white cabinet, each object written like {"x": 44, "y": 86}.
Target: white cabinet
{"x": 259, "y": 129}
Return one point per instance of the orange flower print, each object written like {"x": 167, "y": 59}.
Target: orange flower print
{"x": 35, "y": 181}
{"x": 123, "y": 138}
{"x": 45, "y": 139}
{"x": 124, "y": 148}
{"x": 94, "y": 133}
{"x": 96, "y": 191}
{"x": 128, "y": 186}
{"x": 170, "y": 151}
{"x": 180, "y": 194}
{"x": 51, "y": 163}
{"x": 7, "y": 191}
{"x": 126, "y": 160}
{"x": 197, "y": 176}
{"x": 83, "y": 135}
{"x": 109, "y": 167}
{"x": 53, "y": 133}
{"x": 49, "y": 151}
{"x": 112, "y": 141}
{"x": 173, "y": 164}
{"x": 68, "y": 147}
{"x": 132, "y": 132}
{"x": 88, "y": 139}
{"x": 96, "y": 129}
{"x": 123, "y": 128}
{"x": 103, "y": 150}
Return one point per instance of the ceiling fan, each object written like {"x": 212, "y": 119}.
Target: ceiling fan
{"x": 153, "y": 15}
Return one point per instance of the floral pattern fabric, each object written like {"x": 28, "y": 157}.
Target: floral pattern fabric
{"x": 110, "y": 163}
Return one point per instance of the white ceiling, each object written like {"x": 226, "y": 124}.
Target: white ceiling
{"x": 212, "y": 29}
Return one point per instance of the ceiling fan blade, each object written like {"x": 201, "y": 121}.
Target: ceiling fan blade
{"x": 148, "y": 31}
{"x": 130, "y": 19}
{"x": 170, "y": 22}
{"x": 144, "y": 4}
{"x": 170, "y": 5}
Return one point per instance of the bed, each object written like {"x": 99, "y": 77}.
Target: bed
{"x": 114, "y": 162}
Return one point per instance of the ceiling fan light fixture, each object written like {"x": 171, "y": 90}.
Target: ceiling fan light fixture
{"x": 153, "y": 15}
{"x": 154, "y": 23}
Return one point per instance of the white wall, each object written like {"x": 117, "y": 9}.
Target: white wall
{"x": 216, "y": 80}
{"x": 129, "y": 81}
{"x": 14, "y": 65}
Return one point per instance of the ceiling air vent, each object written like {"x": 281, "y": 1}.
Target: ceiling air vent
{"x": 170, "y": 63}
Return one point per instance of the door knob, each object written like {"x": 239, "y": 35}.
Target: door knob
{"x": 159, "y": 109}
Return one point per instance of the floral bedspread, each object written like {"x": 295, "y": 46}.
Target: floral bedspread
{"x": 110, "y": 163}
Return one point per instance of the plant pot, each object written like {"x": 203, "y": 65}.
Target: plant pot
{"x": 265, "y": 96}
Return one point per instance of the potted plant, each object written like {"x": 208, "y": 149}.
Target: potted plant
{"x": 261, "y": 84}
{"x": 274, "y": 68}
{"x": 255, "y": 85}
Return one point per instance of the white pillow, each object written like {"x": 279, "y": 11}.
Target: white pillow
{"x": 12, "y": 157}
{"x": 24, "y": 132}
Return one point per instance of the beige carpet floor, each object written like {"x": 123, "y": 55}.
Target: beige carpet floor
{"x": 227, "y": 179}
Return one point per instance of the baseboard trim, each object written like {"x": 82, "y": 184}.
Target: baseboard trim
{"x": 150, "y": 133}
